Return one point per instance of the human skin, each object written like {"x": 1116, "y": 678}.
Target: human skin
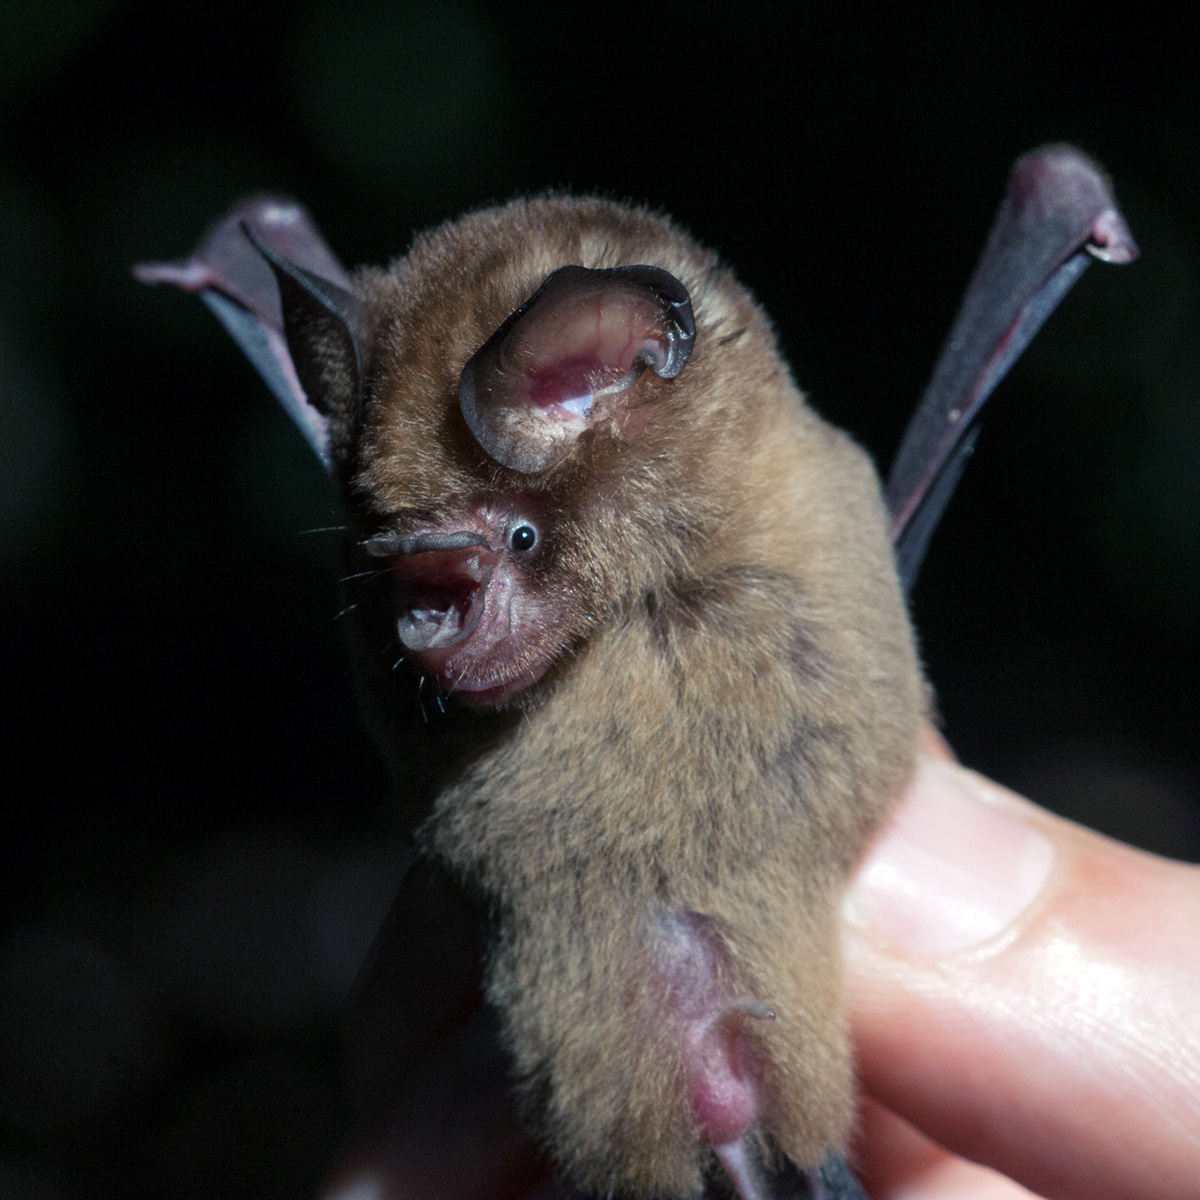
{"x": 1026, "y": 994}
{"x": 1024, "y": 998}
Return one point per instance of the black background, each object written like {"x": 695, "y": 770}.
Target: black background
{"x": 186, "y": 775}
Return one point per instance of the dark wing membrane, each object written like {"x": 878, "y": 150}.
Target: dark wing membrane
{"x": 239, "y": 287}
{"x": 267, "y": 351}
{"x": 1057, "y": 214}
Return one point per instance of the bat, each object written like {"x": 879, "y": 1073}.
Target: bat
{"x": 631, "y": 629}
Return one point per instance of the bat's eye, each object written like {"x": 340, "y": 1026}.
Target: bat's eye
{"x": 524, "y": 537}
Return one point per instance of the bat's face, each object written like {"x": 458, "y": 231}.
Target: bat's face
{"x": 500, "y": 441}
{"x": 483, "y": 602}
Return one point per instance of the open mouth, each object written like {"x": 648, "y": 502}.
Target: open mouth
{"x": 440, "y": 595}
{"x": 449, "y": 621}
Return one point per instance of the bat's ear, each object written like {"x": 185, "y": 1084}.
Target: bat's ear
{"x": 573, "y": 355}
{"x": 322, "y": 323}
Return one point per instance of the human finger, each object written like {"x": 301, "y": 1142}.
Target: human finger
{"x": 897, "y": 1162}
{"x": 1027, "y": 992}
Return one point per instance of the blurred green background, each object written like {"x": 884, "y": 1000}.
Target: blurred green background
{"x": 191, "y": 797}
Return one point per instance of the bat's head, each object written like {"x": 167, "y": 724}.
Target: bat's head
{"x": 529, "y": 425}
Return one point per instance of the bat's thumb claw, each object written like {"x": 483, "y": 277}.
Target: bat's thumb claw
{"x": 1109, "y": 239}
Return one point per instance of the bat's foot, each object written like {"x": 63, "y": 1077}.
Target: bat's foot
{"x": 744, "y": 1173}
{"x": 834, "y": 1181}
{"x": 749, "y": 1179}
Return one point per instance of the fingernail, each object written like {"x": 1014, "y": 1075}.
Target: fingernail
{"x": 951, "y": 872}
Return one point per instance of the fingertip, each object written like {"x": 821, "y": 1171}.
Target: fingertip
{"x": 1028, "y": 992}
{"x": 951, "y": 872}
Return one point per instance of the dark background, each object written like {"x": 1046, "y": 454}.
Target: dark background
{"x": 195, "y": 851}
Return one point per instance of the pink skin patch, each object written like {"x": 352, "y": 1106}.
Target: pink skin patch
{"x": 710, "y": 1018}
{"x": 573, "y": 385}
{"x": 587, "y": 353}
{"x": 721, "y": 1084}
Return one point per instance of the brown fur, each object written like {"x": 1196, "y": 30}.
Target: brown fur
{"x": 736, "y": 703}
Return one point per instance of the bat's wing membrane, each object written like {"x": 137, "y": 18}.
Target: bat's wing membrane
{"x": 1057, "y": 214}
{"x": 235, "y": 281}
{"x": 267, "y": 351}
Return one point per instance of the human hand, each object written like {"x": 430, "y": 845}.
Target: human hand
{"x": 1026, "y": 993}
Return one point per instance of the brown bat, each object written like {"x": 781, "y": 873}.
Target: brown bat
{"x": 631, "y": 632}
